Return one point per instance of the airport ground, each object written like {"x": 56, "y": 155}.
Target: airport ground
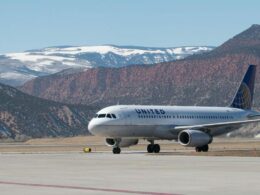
{"x": 59, "y": 166}
{"x": 219, "y": 147}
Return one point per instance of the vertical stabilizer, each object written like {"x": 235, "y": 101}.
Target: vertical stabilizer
{"x": 244, "y": 96}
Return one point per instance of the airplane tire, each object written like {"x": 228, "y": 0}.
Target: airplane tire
{"x": 150, "y": 148}
{"x": 205, "y": 148}
{"x": 156, "y": 148}
{"x": 116, "y": 150}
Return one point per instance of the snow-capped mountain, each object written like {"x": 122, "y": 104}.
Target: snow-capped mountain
{"x": 17, "y": 68}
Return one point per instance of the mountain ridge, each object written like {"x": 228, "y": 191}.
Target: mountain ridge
{"x": 30, "y": 64}
{"x": 177, "y": 73}
{"x": 24, "y": 116}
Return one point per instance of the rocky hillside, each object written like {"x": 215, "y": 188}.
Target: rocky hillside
{"x": 206, "y": 79}
{"x": 17, "y": 68}
{"x": 22, "y": 116}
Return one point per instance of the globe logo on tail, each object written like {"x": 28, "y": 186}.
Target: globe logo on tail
{"x": 243, "y": 97}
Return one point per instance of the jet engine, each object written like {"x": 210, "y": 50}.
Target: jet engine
{"x": 121, "y": 142}
{"x": 194, "y": 138}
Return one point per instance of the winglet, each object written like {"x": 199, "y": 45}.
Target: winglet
{"x": 244, "y": 96}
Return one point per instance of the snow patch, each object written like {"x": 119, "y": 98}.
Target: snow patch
{"x": 30, "y": 57}
{"x": 30, "y": 64}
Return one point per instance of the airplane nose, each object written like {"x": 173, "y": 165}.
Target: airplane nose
{"x": 91, "y": 126}
{"x": 94, "y": 127}
{"x": 97, "y": 127}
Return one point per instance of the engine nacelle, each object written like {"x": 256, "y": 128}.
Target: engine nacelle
{"x": 194, "y": 138}
{"x": 122, "y": 142}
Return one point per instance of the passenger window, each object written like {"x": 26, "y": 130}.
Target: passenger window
{"x": 114, "y": 116}
{"x": 109, "y": 116}
{"x": 101, "y": 115}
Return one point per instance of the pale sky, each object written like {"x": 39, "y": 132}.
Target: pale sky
{"x": 34, "y": 24}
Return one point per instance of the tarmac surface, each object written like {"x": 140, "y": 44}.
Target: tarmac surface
{"x": 131, "y": 172}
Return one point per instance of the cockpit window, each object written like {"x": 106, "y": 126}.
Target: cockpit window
{"x": 105, "y": 116}
{"x": 101, "y": 115}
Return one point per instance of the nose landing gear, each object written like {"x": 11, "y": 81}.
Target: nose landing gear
{"x": 116, "y": 150}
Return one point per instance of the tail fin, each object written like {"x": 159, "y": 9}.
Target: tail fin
{"x": 244, "y": 96}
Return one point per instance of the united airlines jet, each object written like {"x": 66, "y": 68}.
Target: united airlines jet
{"x": 191, "y": 126}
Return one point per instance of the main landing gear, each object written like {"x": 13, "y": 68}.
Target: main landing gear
{"x": 153, "y": 148}
{"x": 204, "y": 148}
{"x": 116, "y": 150}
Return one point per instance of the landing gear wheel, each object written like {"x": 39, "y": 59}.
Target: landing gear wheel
{"x": 153, "y": 148}
{"x": 198, "y": 149}
{"x": 116, "y": 150}
{"x": 150, "y": 148}
{"x": 156, "y": 148}
{"x": 204, "y": 148}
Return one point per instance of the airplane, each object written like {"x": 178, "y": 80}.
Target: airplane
{"x": 190, "y": 126}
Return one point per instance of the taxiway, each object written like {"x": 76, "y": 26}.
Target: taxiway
{"x": 131, "y": 172}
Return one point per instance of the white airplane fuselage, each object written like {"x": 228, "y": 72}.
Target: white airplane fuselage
{"x": 137, "y": 121}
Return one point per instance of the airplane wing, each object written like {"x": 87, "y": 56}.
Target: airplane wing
{"x": 212, "y": 127}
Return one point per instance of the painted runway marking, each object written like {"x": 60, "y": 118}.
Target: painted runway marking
{"x": 83, "y": 188}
